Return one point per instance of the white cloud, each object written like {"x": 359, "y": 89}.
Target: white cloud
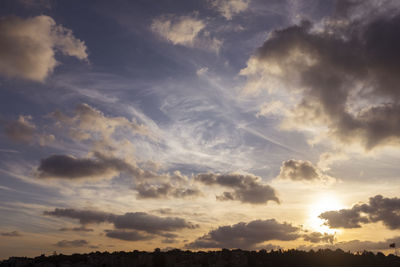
{"x": 186, "y": 31}
{"x": 229, "y": 8}
{"x": 178, "y": 30}
{"x": 28, "y": 46}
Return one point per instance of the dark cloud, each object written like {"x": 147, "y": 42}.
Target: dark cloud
{"x": 150, "y": 223}
{"x": 346, "y": 71}
{"x": 317, "y": 237}
{"x": 299, "y": 170}
{"x": 69, "y": 167}
{"x": 21, "y": 130}
{"x": 71, "y": 243}
{"x": 379, "y": 209}
{"x": 140, "y": 221}
{"x": 246, "y": 188}
{"x": 76, "y": 229}
{"x": 246, "y": 235}
{"x": 169, "y": 241}
{"x": 100, "y": 166}
{"x": 127, "y": 235}
{"x": 84, "y": 216}
{"x": 345, "y": 218}
{"x": 11, "y": 234}
{"x": 165, "y": 190}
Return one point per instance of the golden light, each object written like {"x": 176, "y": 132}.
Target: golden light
{"x": 323, "y": 202}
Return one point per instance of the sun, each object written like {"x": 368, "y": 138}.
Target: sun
{"x": 323, "y": 202}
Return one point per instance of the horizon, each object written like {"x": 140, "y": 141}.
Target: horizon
{"x": 201, "y": 125}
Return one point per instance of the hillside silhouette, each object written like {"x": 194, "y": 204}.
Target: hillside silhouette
{"x": 222, "y": 258}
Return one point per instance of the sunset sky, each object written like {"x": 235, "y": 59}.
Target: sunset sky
{"x": 201, "y": 124}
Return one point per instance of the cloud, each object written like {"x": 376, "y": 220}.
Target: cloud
{"x": 147, "y": 184}
{"x": 178, "y": 30}
{"x": 229, "y": 8}
{"x": 344, "y": 74}
{"x": 299, "y": 170}
{"x": 127, "y": 235}
{"x": 139, "y": 221}
{"x": 186, "y": 31}
{"x": 84, "y": 216}
{"x": 28, "y": 46}
{"x": 10, "y": 234}
{"x": 246, "y": 235}
{"x": 165, "y": 190}
{"x": 72, "y": 243}
{"x": 356, "y": 245}
{"x": 150, "y": 223}
{"x": 246, "y": 188}
{"x": 379, "y": 209}
{"x": 21, "y": 130}
{"x": 69, "y": 167}
{"x": 272, "y": 108}
{"x": 76, "y": 229}
{"x": 317, "y": 237}
{"x": 89, "y": 122}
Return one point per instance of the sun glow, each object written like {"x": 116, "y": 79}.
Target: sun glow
{"x": 322, "y": 203}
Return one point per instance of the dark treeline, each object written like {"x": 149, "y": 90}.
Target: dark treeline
{"x": 223, "y": 258}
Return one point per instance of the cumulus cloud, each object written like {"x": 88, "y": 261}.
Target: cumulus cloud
{"x": 150, "y": 223}
{"x": 21, "y": 130}
{"x": 138, "y": 221}
{"x": 165, "y": 190}
{"x": 186, "y": 31}
{"x": 127, "y": 235}
{"x": 246, "y": 235}
{"x": 379, "y": 209}
{"x": 28, "y": 46}
{"x": 300, "y": 170}
{"x": 10, "y": 234}
{"x": 344, "y": 74}
{"x": 147, "y": 184}
{"x": 84, "y": 216}
{"x": 317, "y": 237}
{"x": 246, "y": 188}
{"x": 71, "y": 243}
{"x": 69, "y": 167}
{"x": 229, "y": 8}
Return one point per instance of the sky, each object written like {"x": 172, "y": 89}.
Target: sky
{"x": 202, "y": 124}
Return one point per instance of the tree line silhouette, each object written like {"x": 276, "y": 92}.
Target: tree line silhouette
{"x": 222, "y": 258}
